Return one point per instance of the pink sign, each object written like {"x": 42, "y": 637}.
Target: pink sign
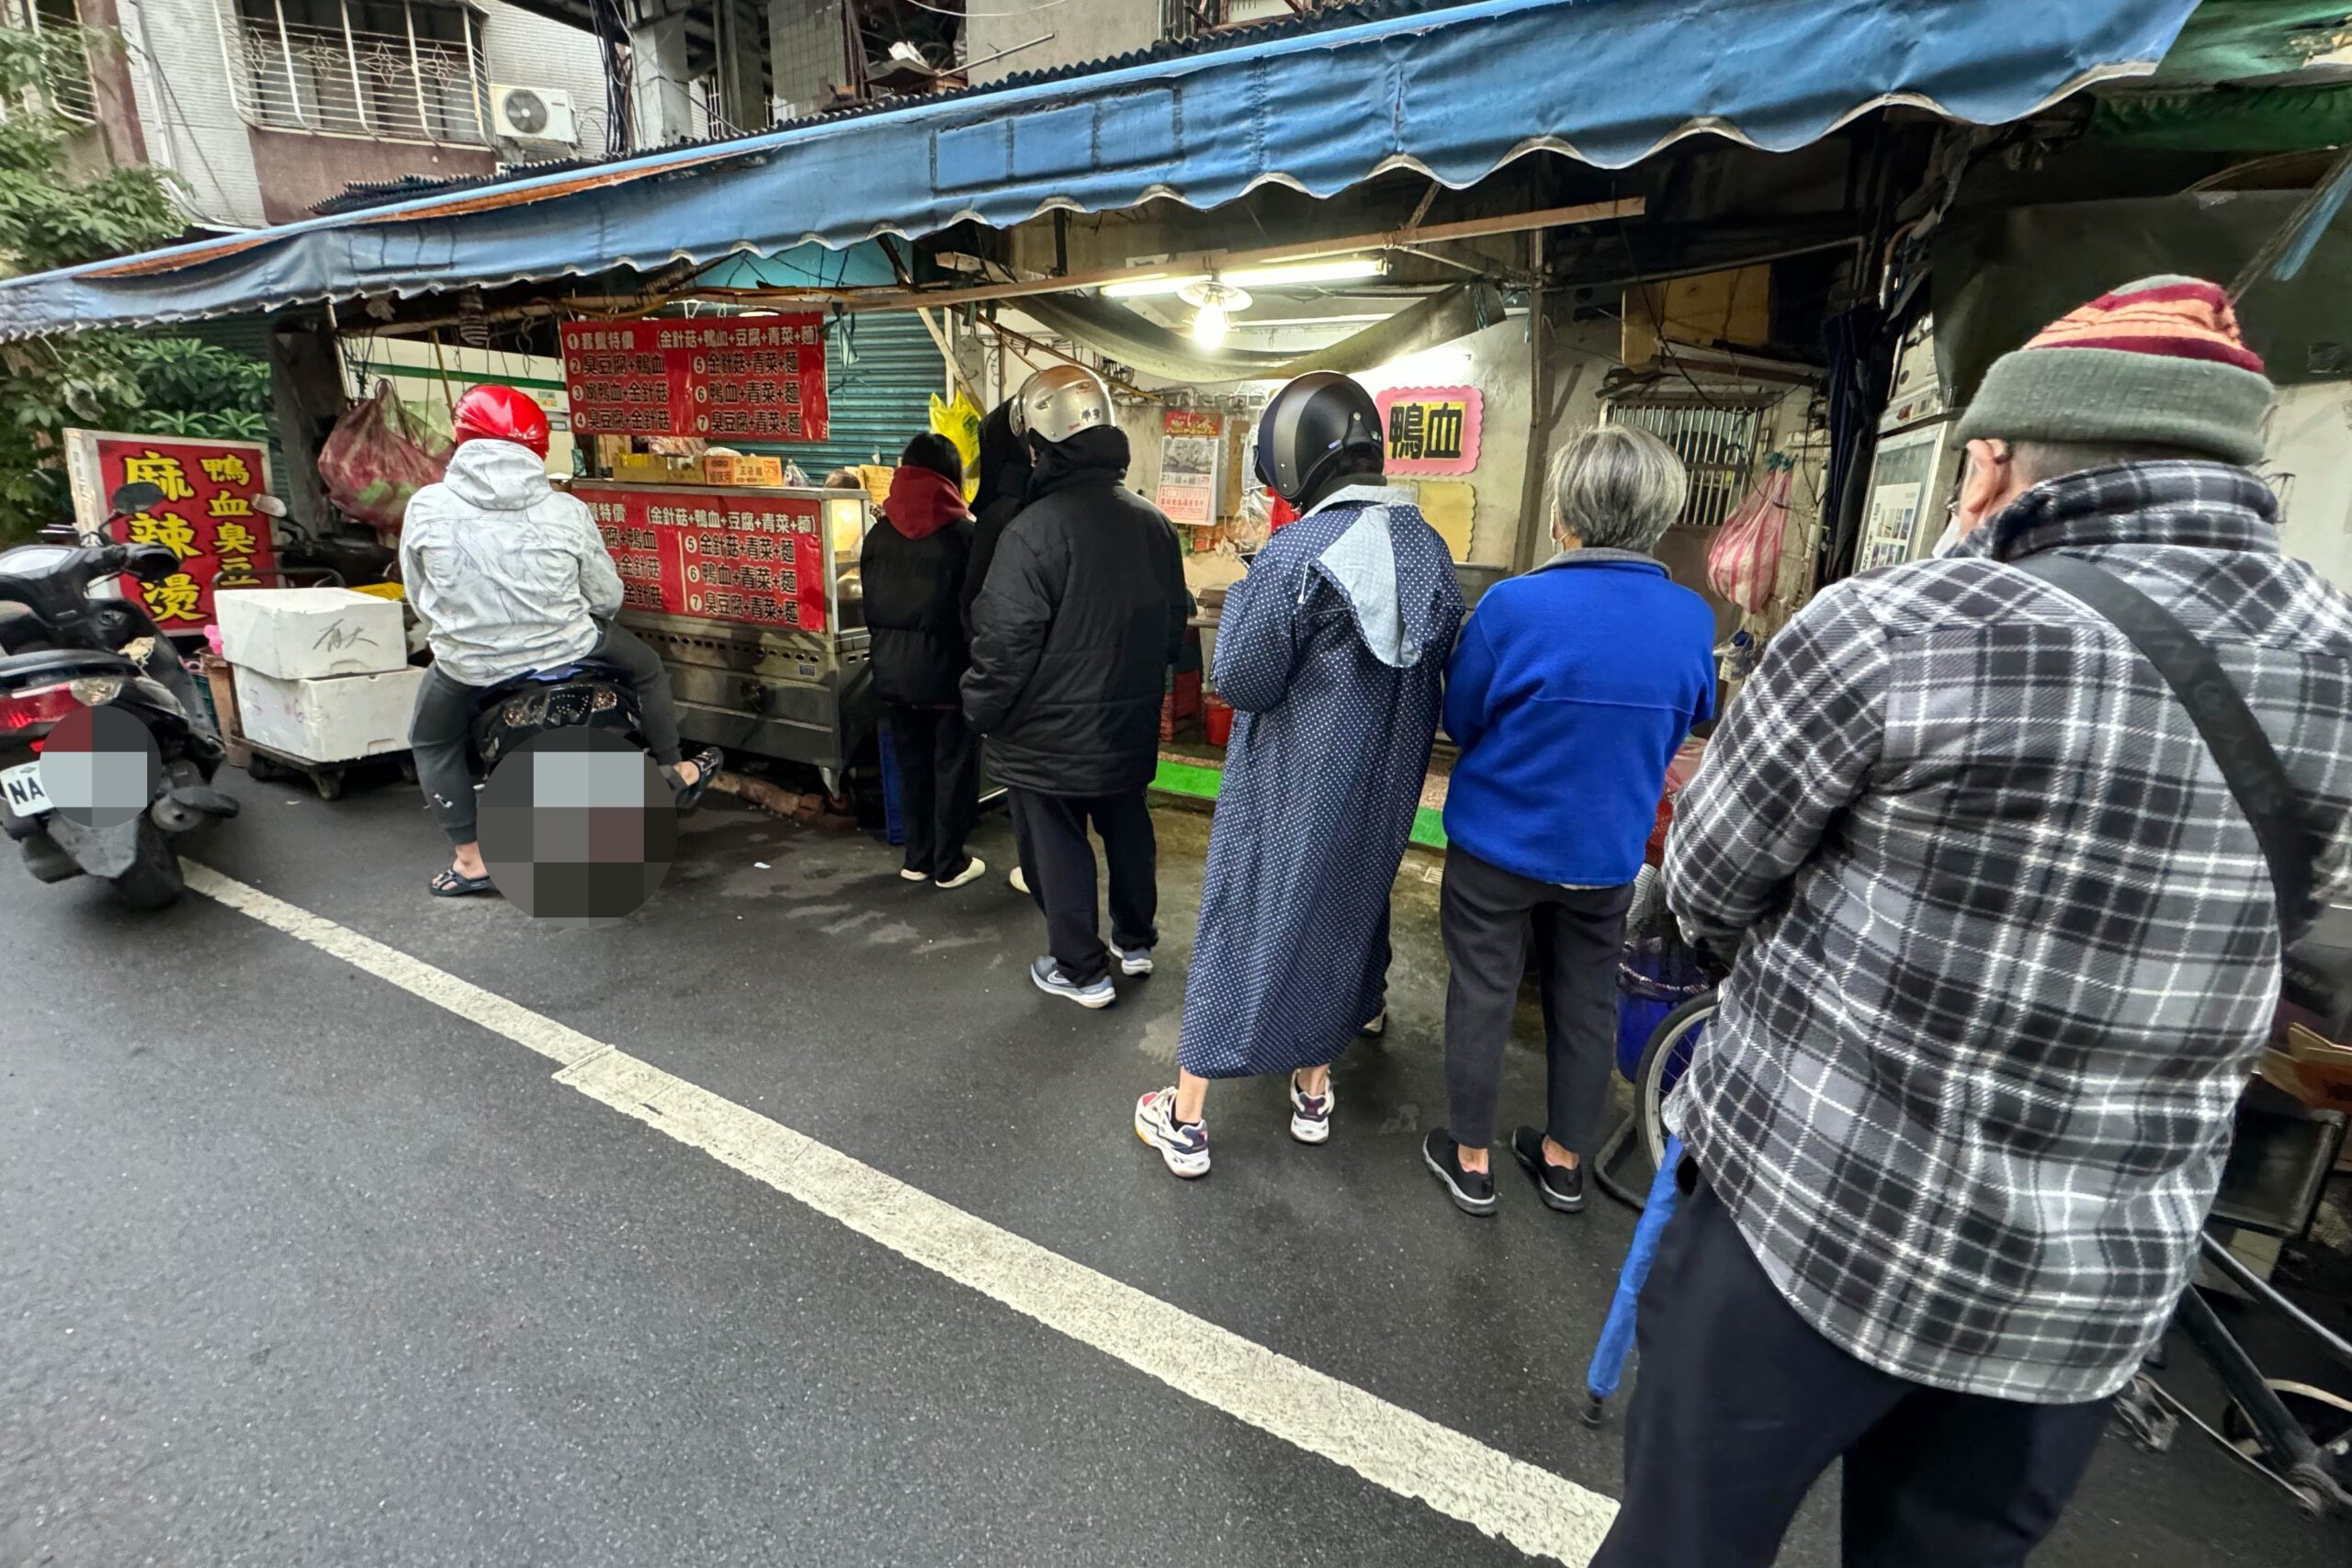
{"x": 1432, "y": 430}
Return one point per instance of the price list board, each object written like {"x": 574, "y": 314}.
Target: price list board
{"x": 741, "y": 556}
{"x": 750, "y": 378}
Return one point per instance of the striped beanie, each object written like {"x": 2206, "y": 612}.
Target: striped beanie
{"x": 2157, "y": 361}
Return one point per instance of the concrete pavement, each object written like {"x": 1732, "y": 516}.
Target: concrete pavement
{"x": 297, "y": 1267}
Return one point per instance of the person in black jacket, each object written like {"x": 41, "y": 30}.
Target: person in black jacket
{"x": 913, "y": 568}
{"x": 1005, "y": 479}
{"x": 1082, "y": 613}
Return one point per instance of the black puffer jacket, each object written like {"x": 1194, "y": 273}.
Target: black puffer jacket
{"x": 1004, "y": 482}
{"x": 913, "y": 569}
{"x": 1082, "y": 613}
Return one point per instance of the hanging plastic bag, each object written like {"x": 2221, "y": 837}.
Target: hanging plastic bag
{"x": 380, "y": 455}
{"x": 960, "y": 422}
{"x": 1744, "y": 563}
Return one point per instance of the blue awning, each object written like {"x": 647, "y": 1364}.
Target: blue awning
{"x": 1453, "y": 92}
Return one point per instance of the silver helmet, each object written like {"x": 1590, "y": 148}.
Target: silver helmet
{"x": 1061, "y": 401}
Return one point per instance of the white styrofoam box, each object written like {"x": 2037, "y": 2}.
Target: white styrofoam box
{"x": 295, "y": 634}
{"x": 333, "y": 719}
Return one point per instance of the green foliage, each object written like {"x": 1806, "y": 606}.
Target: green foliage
{"x": 51, "y": 217}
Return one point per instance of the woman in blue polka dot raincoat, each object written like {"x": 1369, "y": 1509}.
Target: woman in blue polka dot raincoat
{"x": 1332, "y": 652}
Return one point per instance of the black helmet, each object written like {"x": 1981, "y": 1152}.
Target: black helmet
{"x": 1307, "y": 425}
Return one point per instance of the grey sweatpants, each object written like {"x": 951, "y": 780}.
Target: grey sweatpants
{"x": 439, "y": 730}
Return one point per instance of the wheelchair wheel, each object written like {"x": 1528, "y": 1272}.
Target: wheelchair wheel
{"x": 1663, "y": 1059}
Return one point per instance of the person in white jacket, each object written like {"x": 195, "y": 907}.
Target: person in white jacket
{"x": 509, "y": 576}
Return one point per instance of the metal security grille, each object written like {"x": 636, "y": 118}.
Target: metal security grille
{"x": 1715, "y": 441}
{"x": 65, "y": 55}
{"x": 407, "y": 71}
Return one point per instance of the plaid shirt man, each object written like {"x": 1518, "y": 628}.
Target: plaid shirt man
{"x": 2010, "y": 947}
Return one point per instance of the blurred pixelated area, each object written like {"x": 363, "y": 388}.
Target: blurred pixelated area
{"x": 578, "y": 826}
{"x": 100, "y": 767}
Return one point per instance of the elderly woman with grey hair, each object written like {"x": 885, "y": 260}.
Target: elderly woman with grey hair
{"x": 1571, "y": 690}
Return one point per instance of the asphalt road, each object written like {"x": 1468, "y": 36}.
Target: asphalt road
{"x": 296, "y": 1268}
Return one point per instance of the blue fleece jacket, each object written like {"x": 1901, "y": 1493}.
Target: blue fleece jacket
{"x": 1569, "y": 691}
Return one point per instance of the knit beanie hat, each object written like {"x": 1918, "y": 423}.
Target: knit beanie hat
{"x": 2157, "y": 361}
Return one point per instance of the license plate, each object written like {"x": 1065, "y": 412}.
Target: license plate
{"x": 20, "y": 787}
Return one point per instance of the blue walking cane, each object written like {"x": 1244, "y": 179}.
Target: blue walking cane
{"x": 1616, "y": 1347}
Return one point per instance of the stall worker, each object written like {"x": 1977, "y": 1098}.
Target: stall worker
{"x": 1570, "y": 690}
{"x": 1072, "y": 636}
{"x": 913, "y": 567}
{"x": 508, "y": 577}
{"x": 1332, "y": 651}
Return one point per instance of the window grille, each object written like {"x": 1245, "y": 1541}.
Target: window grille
{"x": 1717, "y": 442}
{"x": 403, "y": 70}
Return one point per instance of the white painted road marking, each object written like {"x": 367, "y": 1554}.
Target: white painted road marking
{"x": 1534, "y": 1509}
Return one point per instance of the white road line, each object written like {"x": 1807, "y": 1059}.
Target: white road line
{"x": 1534, "y": 1509}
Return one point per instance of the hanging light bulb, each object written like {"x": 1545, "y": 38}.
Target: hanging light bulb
{"x": 1213, "y": 304}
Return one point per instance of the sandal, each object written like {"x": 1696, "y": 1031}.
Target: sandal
{"x": 449, "y": 883}
{"x": 706, "y": 764}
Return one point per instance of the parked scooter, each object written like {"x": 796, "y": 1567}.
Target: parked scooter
{"x": 585, "y": 693}
{"x": 73, "y": 640}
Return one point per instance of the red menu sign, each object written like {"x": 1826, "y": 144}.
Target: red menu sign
{"x": 756, "y": 378}
{"x": 726, "y": 555}
{"x": 206, "y": 517}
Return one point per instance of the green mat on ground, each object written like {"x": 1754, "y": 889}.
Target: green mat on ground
{"x": 1197, "y": 782}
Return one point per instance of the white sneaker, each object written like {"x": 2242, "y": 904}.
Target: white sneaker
{"x": 1183, "y": 1145}
{"x": 1310, "y": 1114}
{"x": 1020, "y": 884}
{"x": 909, "y": 874}
{"x": 974, "y": 869}
{"x": 1130, "y": 960}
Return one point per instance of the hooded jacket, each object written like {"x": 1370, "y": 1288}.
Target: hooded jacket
{"x": 913, "y": 567}
{"x": 1082, "y": 614}
{"x": 507, "y": 575}
{"x": 1004, "y": 482}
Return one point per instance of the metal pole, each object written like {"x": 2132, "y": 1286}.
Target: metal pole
{"x": 351, "y": 58}
{"x": 286, "y": 48}
{"x": 416, "y": 75}
{"x": 1532, "y": 520}
{"x": 477, "y": 80}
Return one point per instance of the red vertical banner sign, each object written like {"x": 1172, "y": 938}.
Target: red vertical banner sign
{"x": 751, "y": 557}
{"x": 747, "y": 378}
{"x": 206, "y": 517}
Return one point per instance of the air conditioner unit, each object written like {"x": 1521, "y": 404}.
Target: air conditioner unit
{"x": 531, "y": 114}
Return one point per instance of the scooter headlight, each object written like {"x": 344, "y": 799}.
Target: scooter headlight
{"x": 96, "y": 691}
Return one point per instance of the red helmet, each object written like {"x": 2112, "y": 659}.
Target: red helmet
{"x": 501, "y": 414}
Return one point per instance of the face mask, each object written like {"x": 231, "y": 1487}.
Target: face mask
{"x": 1949, "y": 540}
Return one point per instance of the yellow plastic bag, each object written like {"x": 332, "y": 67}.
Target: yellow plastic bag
{"x": 960, "y": 422}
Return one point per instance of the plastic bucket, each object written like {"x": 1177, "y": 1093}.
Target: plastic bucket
{"x": 1651, "y": 983}
{"x": 1216, "y": 717}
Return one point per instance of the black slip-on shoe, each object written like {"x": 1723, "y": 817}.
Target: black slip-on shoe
{"x": 1560, "y": 1187}
{"x": 1472, "y": 1191}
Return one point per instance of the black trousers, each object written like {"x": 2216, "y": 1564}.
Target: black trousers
{"x": 1059, "y": 863}
{"x": 939, "y": 786}
{"x": 1739, "y": 1405}
{"x": 440, "y": 726}
{"x": 1485, "y": 916}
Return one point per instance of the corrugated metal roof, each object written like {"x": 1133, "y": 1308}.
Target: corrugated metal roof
{"x": 1451, "y": 91}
